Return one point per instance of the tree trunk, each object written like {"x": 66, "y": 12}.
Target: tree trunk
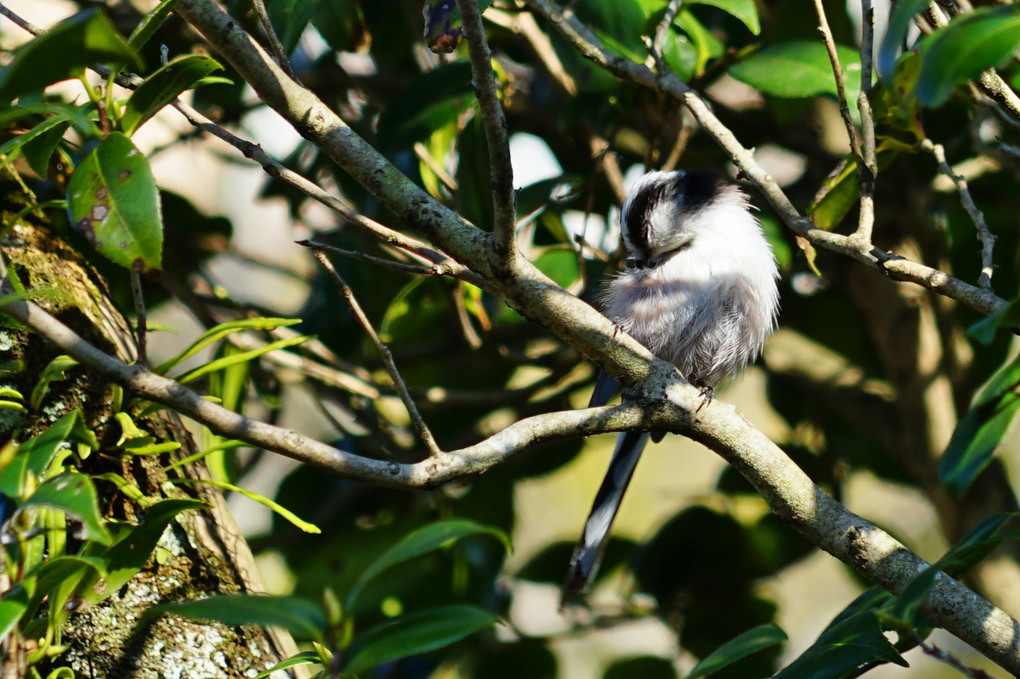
{"x": 200, "y": 554}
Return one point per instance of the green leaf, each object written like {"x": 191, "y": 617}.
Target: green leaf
{"x": 39, "y": 149}
{"x": 560, "y": 264}
{"x": 36, "y": 453}
{"x": 741, "y": 646}
{"x": 163, "y": 86}
{"x": 979, "y": 541}
{"x": 341, "y": 23}
{"x": 132, "y": 551}
{"x": 150, "y": 24}
{"x": 300, "y": 616}
{"x": 799, "y": 69}
{"x": 706, "y": 45}
{"x": 289, "y": 19}
{"x": 842, "y": 647}
{"x": 984, "y": 38}
{"x": 981, "y": 430}
{"x": 620, "y": 24}
{"x": 13, "y": 606}
{"x": 900, "y": 21}
{"x": 74, "y": 494}
{"x": 1006, "y": 317}
{"x": 222, "y": 330}
{"x": 841, "y": 189}
{"x": 275, "y": 506}
{"x": 304, "y": 658}
{"x": 743, "y": 10}
{"x": 113, "y": 200}
{"x": 242, "y": 357}
{"x": 63, "y": 53}
{"x": 415, "y": 634}
{"x": 419, "y": 542}
{"x": 53, "y": 372}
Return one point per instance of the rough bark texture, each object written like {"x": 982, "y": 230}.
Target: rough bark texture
{"x": 201, "y": 554}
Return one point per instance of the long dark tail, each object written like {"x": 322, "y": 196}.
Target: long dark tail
{"x": 588, "y": 553}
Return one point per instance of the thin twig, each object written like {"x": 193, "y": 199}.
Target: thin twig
{"x": 867, "y": 168}
{"x": 384, "y": 353}
{"x": 840, "y": 77}
{"x": 897, "y": 268}
{"x": 403, "y": 267}
{"x": 951, "y": 660}
{"x": 141, "y": 325}
{"x": 985, "y": 236}
{"x": 663, "y": 28}
{"x": 274, "y": 41}
{"x": 501, "y": 175}
{"x": 424, "y": 156}
{"x": 23, "y": 23}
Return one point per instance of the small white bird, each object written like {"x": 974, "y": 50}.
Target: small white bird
{"x": 701, "y": 294}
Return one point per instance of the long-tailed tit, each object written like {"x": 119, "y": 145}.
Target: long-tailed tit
{"x": 701, "y": 294}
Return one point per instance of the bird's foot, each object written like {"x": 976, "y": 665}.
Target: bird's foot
{"x": 707, "y": 394}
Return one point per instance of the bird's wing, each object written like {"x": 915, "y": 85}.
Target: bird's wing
{"x": 588, "y": 552}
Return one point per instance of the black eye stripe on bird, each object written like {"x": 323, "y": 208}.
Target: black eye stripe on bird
{"x": 702, "y": 295}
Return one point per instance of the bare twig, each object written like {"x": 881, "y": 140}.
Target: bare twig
{"x": 791, "y": 495}
{"x": 141, "y": 326}
{"x": 274, "y": 41}
{"x": 672, "y": 7}
{"x": 24, "y": 24}
{"x": 951, "y": 660}
{"x": 867, "y": 168}
{"x": 985, "y": 236}
{"x": 840, "y": 77}
{"x": 403, "y": 267}
{"x": 384, "y": 352}
{"x": 897, "y": 268}
{"x": 434, "y": 165}
{"x": 504, "y": 199}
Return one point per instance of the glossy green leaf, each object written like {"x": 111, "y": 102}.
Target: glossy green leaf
{"x": 900, "y": 20}
{"x": 1006, "y": 317}
{"x": 55, "y": 371}
{"x": 39, "y": 149}
{"x": 74, "y": 494}
{"x": 342, "y": 24}
{"x": 57, "y": 578}
{"x": 113, "y": 200}
{"x": 275, "y": 506}
{"x": 620, "y": 24}
{"x": 841, "y": 189}
{"x": 799, "y": 69}
{"x": 706, "y": 45}
{"x": 242, "y": 357}
{"x": 63, "y": 52}
{"x": 959, "y": 52}
{"x": 842, "y": 647}
{"x": 36, "y": 453}
{"x": 163, "y": 86}
{"x": 743, "y": 10}
{"x": 13, "y": 606}
{"x": 289, "y": 19}
{"x": 560, "y": 264}
{"x": 150, "y": 24}
{"x": 979, "y": 541}
{"x": 303, "y": 658}
{"x": 422, "y": 541}
{"x": 300, "y": 616}
{"x": 979, "y": 433}
{"x": 416, "y": 633}
{"x": 222, "y": 330}
{"x": 132, "y": 551}
{"x": 751, "y": 641}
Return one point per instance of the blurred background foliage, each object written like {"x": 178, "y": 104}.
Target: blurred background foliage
{"x": 862, "y": 386}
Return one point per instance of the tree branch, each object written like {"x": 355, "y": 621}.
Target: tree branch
{"x": 504, "y": 202}
{"x": 897, "y": 268}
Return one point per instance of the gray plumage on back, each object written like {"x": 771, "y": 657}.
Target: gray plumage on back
{"x": 701, "y": 294}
